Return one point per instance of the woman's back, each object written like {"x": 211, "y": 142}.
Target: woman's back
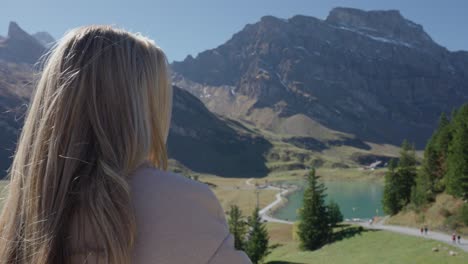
{"x": 78, "y": 192}
{"x": 179, "y": 221}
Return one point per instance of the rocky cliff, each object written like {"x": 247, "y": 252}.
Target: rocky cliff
{"x": 374, "y": 74}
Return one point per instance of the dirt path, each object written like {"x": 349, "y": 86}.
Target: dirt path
{"x": 447, "y": 239}
{"x": 264, "y": 213}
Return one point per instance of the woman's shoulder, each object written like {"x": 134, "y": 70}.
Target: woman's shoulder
{"x": 178, "y": 220}
{"x": 166, "y": 189}
{"x": 147, "y": 176}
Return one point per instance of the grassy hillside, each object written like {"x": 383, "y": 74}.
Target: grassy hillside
{"x": 231, "y": 191}
{"x": 441, "y": 215}
{"x": 361, "y": 247}
{"x": 291, "y": 154}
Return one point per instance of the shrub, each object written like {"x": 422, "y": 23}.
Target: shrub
{"x": 295, "y": 229}
{"x": 452, "y": 222}
{"x": 335, "y": 215}
{"x": 444, "y": 212}
{"x": 421, "y": 218}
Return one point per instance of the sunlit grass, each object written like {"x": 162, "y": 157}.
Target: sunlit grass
{"x": 364, "y": 247}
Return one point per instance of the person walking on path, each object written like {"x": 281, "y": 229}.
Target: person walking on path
{"x": 454, "y": 238}
{"x": 459, "y": 239}
{"x": 425, "y": 230}
{"x": 422, "y": 231}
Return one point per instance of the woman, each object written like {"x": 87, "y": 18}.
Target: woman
{"x": 86, "y": 184}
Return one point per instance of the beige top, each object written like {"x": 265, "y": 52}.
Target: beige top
{"x": 179, "y": 221}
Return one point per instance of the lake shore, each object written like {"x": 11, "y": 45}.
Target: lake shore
{"x": 267, "y": 212}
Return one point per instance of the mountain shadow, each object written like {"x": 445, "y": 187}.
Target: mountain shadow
{"x": 205, "y": 143}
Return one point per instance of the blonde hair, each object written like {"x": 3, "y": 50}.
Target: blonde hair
{"x": 102, "y": 108}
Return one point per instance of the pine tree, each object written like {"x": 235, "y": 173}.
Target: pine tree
{"x": 444, "y": 138}
{"x": 457, "y": 160}
{"x": 436, "y": 164}
{"x": 406, "y": 172}
{"x": 444, "y": 134}
{"x": 237, "y": 226}
{"x": 313, "y": 229}
{"x": 431, "y": 169}
{"x": 429, "y": 179}
{"x": 391, "y": 196}
{"x": 256, "y": 246}
{"x": 421, "y": 192}
{"x": 335, "y": 215}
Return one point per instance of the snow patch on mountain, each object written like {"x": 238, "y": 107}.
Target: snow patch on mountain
{"x": 376, "y": 38}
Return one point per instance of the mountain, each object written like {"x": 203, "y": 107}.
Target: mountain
{"x": 19, "y": 46}
{"x": 372, "y": 74}
{"x": 15, "y": 89}
{"x": 18, "y": 51}
{"x": 44, "y": 38}
{"x": 204, "y": 142}
{"x": 198, "y": 140}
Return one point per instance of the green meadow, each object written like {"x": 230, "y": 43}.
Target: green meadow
{"x": 361, "y": 247}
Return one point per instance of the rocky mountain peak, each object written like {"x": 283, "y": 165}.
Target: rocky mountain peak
{"x": 361, "y": 18}
{"x": 381, "y": 23}
{"x": 17, "y": 33}
{"x": 351, "y": 72}
{"x": 272, "y": 20}
{"x": 20, "y": 46}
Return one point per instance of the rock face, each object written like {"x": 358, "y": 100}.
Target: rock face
{"x": 374, "y": 74}
{"x": 44, "y": 38}
{"x": 15, "y": 89}
{"x": 198, "y": 139}
{"x": 206, "y": 143}
{"x": 20, "y": 47}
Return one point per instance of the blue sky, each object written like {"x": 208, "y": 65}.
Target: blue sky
{"x": 191, "y": 26}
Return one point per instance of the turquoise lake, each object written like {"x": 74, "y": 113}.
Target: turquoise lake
{"x": 356, "y": 199}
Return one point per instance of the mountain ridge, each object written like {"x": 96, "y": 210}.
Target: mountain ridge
{"x": 19, "y": 46}
{"x": 222, "y": 147}
{"x": 382, "y": 83}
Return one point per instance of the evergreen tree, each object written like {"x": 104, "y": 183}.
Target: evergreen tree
{"x": 391, "y": 196}
{"x": 457, "y": 160}
{"x": 313, "y": 229}
{"x": 237, "y": 226}
{"x": 406, "y": 172}
{"x": 421, "y": 192}
{"x": 256, "y": 246}
{"x": 437, "y": 151}
{"x": 444, "y": 134}
{"x": 444, "y": 138}
{"x": 429, "y": 180}
{"x": 335, "y": 215}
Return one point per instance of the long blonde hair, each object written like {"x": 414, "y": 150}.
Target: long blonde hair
{"x": 102, "y": 108}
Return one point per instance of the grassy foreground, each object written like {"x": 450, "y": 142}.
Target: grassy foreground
{"x": 368, "y": 246}
{"x": 355, "y": 248}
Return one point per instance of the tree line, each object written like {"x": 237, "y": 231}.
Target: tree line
{"x": 315, "y": 225}
{"x": 250, "y": 234}
{"x": 444, "y": 167}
